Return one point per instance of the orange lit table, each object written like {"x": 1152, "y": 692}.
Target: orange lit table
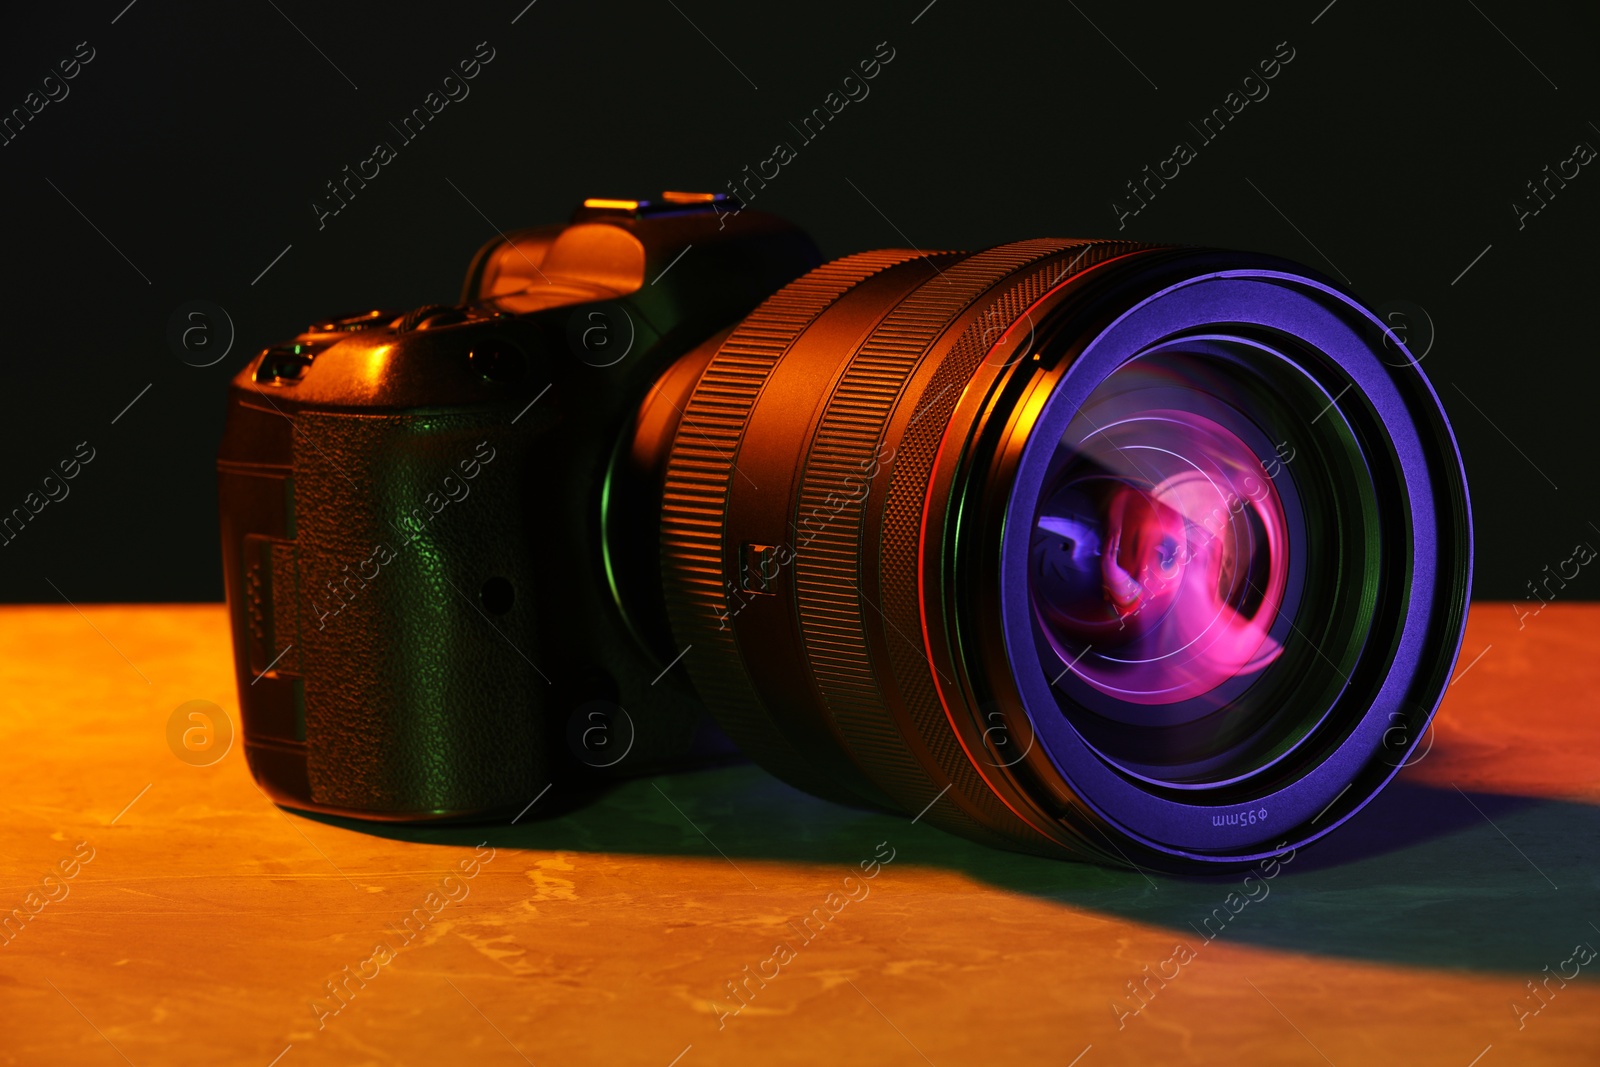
{"x": 171, "y": 915}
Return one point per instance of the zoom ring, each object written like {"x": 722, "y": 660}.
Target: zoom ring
{"x": 915, "y": 452}
{"x": 696, "y": 499}
{"x": 833, "y": 603}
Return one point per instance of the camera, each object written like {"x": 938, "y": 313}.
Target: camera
{"x": 1129, "y": 553}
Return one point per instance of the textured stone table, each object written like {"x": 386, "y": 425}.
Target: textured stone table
{"x": 178, "y": 917}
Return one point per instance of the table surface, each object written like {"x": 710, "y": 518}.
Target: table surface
{"x": 205, "y": 923}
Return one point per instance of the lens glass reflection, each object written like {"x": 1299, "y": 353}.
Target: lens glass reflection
{"x": 1170, "y": 556}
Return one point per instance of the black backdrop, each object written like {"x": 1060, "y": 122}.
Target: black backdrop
{"x": 184, "y": 157}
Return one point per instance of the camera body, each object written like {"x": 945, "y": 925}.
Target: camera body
{"x": 419, "y": 509}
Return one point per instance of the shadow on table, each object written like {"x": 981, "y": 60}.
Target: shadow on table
{"x": 1421, "y": 876}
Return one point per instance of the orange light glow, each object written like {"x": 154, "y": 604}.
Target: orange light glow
{"x": 376, "y": 360}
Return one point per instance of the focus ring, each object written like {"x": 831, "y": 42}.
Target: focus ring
{"x": 828, "y": 573}
{"x": 915, "y": 451}
{"x": 695, "y": 504}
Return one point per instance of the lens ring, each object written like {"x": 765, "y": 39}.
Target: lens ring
{"x": 968, "y": 309}
{"x": 697, "y": 573}
{"x": 921, "y": 350}
{"x": 1412, "y": 663}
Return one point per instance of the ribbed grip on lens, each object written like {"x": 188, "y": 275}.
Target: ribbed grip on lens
{"x": 898, "y": 537}
{"x": 829, "y": 573}
{"x": 696, "y": 499}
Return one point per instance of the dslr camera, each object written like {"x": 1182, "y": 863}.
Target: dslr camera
{"x": 1128, "y": 553}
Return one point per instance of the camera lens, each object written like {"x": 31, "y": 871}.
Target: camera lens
{"x": 1117, "y": 552}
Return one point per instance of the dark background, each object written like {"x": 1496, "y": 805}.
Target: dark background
{"x": 199, "y": 135}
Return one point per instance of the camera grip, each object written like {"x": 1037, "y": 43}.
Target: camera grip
{"x": 387, "y": 641}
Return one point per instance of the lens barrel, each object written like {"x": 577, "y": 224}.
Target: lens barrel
{"x": 1134, "y": 554}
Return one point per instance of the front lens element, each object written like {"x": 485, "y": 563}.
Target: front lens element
{"x": 1161, "y": 548}
{"x": 1170, "y": 555}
